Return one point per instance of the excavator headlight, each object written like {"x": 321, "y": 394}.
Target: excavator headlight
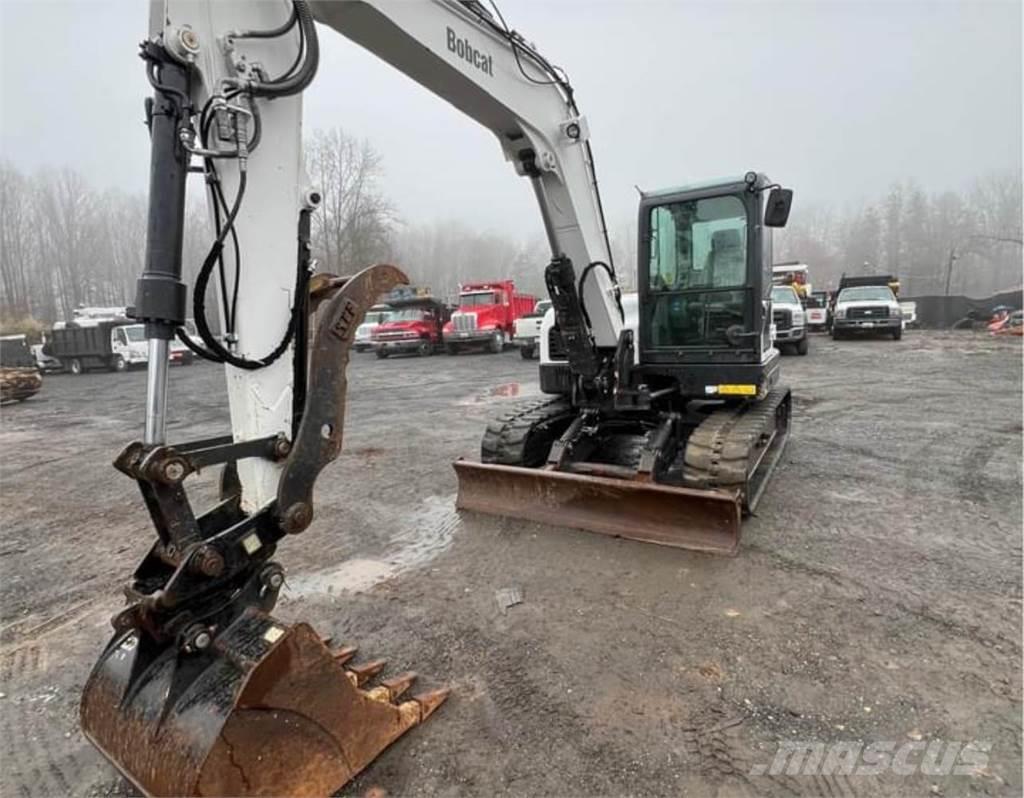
{"x": 312, "y": 199}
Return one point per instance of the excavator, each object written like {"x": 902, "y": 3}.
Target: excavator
{"x": 662, "y": 431}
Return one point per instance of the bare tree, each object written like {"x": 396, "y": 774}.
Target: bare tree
{"x": 353, "y": 226}
{"x": 16, "y": 244}
{"x": 444, "y": 255}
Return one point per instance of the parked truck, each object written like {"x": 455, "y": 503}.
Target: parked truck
{"x": 816, "y": 306}
{"x": 527, "y": 330}
{"x": 109, "y": 344}
{"x": 789, "y": 320}
{"x": 413, "y": 326}
{"x": 486, "y": 316}
{"x": 86, "y": 344}
{"x": 374, "y": 317}
{"x": 793, "y": 273}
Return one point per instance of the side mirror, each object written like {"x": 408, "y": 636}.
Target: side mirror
{"x": 776, "y": 210}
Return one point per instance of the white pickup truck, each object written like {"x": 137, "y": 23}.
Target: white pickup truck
{"x": 526, "y": 334}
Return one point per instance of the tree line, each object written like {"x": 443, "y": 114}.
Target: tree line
{"x": 65, "y": 244}
{"x": 942, "y": 243}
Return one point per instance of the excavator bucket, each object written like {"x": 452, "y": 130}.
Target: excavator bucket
{"x": 267, "y": 709}
{"x": 702, "y": 520}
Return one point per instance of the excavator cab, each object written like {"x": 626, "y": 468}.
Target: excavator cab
{"x": 704, "y": 281}
{"x": 692, "y": 419}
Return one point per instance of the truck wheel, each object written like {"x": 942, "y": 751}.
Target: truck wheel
{"x": 803, "y": 346}
{"x": 497, "y": 343}
{"x": 897, "y": 333}
{"x": 75, "y": 366}
{"x": 381, "y": 354}
{"x": 526, "y": 352}
{"x": 119, "y": 364}
{"x": 425, "y": 349}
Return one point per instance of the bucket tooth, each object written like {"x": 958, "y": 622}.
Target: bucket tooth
{"x": 397, "y": 685}
{"x": 430, "y": 701}
{"x": 363, "y": 673}
{"x": 343, "y": 655}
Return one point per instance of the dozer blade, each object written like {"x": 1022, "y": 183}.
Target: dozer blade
{"x": 267, "y": 709}
{"x": 702, "y": 520}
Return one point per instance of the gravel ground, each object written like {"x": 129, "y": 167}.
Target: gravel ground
{"x": 876, "y": 597}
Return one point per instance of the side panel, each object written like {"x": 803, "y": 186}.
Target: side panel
{"x": 524, "y": 305}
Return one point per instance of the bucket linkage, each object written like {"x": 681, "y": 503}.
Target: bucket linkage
{"x": 201, "y": 691}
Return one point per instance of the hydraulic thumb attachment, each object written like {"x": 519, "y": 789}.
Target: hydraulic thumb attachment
{"x": 200, "y": 691}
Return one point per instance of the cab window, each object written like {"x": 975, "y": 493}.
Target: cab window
{"x": 784, "y": 295}
{"x": 698, "y": 244}
{"x": 697, "y": 271}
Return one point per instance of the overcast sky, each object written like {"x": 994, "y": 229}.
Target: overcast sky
{"x": 835, "y": 99}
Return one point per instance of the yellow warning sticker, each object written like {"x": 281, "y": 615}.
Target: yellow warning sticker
{"x": 737, "y": 390}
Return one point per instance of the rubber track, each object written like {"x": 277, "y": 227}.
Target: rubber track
{"x": 719, "y": 451}
{"x": 504, "y": 442}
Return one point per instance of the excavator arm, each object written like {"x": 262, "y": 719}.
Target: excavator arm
{"x": 201, "y": 690}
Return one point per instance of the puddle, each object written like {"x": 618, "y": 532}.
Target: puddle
{"x": 417, "y": 540}
{"x": 855, "y": 496}
{"x": 352, "y": 576}
{"x": 506, "y": 390}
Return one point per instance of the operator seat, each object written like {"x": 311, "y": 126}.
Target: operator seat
{"x": 726, "y": 260}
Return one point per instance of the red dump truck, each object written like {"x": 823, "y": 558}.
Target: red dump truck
{"x": 412, "y": 327}
{"x": 486, "y": 316}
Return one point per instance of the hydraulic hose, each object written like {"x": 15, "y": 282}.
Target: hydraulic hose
{"x": 296, "y": 83}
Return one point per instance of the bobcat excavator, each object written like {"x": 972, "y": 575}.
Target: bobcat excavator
{"x": 664, "y": 433}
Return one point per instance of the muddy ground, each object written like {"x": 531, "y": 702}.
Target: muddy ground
{"x": 877, "y": 595}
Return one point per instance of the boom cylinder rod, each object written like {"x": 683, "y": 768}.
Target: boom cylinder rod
{"x": 156, "y": 393}
{"x": 160, "y": 293}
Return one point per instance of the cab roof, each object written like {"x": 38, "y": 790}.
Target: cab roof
{"x": 728, "y": 183}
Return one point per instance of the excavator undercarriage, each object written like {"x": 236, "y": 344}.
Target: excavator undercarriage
{"x": 682, "y": 479}
{"x": 671, "y": 436}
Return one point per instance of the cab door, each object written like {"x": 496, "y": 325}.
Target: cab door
{"x": 698, "y": 255}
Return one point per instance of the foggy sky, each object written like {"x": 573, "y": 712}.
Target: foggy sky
{"x": 836, "y": 100}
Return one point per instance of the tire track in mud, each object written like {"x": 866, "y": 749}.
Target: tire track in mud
{"x": 25, "y": 661}
{"x": 428, "y": 532}
{"x": 896, "y": 599}
{"x": 37, "y": 757}
{"x": 713, "y": 742}
{"x": 18, "y": 633}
